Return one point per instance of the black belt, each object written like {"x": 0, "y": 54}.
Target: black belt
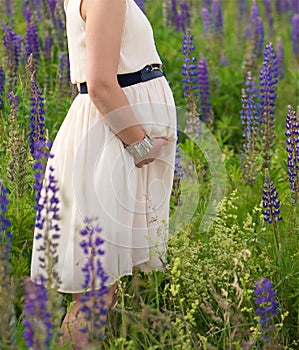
{"x": 149, "y": 72}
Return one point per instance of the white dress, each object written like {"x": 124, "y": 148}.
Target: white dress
{"x": 97, "y": 176}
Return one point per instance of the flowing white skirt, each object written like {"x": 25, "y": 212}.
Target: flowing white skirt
{"x": 97, "y": 178}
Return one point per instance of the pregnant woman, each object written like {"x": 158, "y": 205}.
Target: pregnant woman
{"x": 114, "y": 152}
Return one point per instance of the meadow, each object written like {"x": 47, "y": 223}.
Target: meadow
{"x": 231, "y": 283}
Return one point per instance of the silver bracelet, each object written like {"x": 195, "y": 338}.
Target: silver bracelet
{"x": 141, "y": 148}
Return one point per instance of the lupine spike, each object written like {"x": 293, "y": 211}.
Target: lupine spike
{"x": 280, "y": 58}
{"x": 268, "y": 78}
{"x": 12, "y": 44}
{"x": 38, "y": 326}
{"x": 266, "y": 300}
{"x": 251, "y": 120}
{"x": 190, "y": 84}
{"x": 2, "y": 82}
{"x": 16, "y": 168}
{"x": 7, "y": 295}
{"x": 281, "y": 6}
{"x": 94, "y": 308}
{"x": 295, "y": 34}
{"x": 292, "y": 142}
{"x": 269, "y": 16}
{"x": 206, "y": 20}
{"x": 32, "y": 44}
{"x": 47, "y": 212}
{"x": 37, "y": 120}
{"x": 217, "y": 17}
{"x": 271, "y": 206}
{"x": 204, "y": 91}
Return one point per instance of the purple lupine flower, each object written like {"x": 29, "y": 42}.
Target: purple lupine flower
{"x": 64, "y": 71}
{"x": 254, "y": 11}
{"x": 48, "y": 46}
{"x": 140, "y": 5}
{"x": 94, "y": 307}
{"x": 9, "y": 8}
{"x": 206, "y": 20}
{"x": 251, "y": 120}
{"x": 12, "y": 44}
{"x": 186, "y": 17}
{"x": 173, "y": 12}
{"x": 268, "y": 79}
{"x": 52, "y": 7}
{"x": 190, "y": 71}
{"x": 258, "y": 36}
{"x": 190, "y": 84}
{"x": 281, "y": 6}
{"x": 204, "y": 91}
{"x": 5, "y": 235}
{"x": 2, "y": 81}
{"x": 47, "y": 212}
{"x": 32, "y": 43}
{"x": 206, "y": 4}
{"x": 295, "y": 34}
{"x": 292, "y": 141}
{"x": 269, "y": 15}
{"x": 37, "y": 120}
{"x": 27, "y": 14}
{"x": 266, "y": 299}
{"x": 37, "y": 321}
{"x": 256, "y": 29}
{"x": 294, "y": 6}
{"x": 280, "y": 58}
{"x": 242, "y": 7}
{"x": 217, "y": 17}
{"x": 271, "y": 204}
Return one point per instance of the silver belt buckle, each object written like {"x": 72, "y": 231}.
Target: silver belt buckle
{"x": 152, "y": 67}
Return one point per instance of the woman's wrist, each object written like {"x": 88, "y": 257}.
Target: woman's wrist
{"x": 141, "y": 148}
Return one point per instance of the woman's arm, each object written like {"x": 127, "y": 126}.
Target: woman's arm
{"x": 104, "y": 26}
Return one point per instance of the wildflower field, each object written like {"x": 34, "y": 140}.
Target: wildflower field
{"x": 231, "y": 284}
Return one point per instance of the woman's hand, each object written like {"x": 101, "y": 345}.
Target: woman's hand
{"x": 158, "y": 144}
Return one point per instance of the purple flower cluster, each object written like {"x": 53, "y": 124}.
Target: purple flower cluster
{"x": 269, "y": 15}
{"x": 280, "y": 58}
{"x": 268, "y": 79}
{"x": 281, "y": 6}
{"x": 256, "y": 29}
{"x": 64, "y": 70}
{"x": 38, "y": 326}
{"x": 47, "y": 211}
{"x": 242, "y": 7}
{"x": 183, "y": 17}
{"x": 48, "y": 44}
{"x": 217, "y": 17}
{"x": 94, "y": 307}
{"x": 295, "y": 34}
{"x": 190, "y": 69}
{"x": 266, "y": 300}
{"x": 206, "y": 20}
{"x": 292, "y": 141}
{"x": 190, "y": 84}
{"x": 13, "y": 49}
{"x": 271, "y": 204}
{"x": 2, "y": 81}
{"x": 5, "y": 235}
{"x": 32, "y": 43}
{"x": 37, "y": 120}
{"x": 251, "y": 120}
{"x": 204, "y": 91}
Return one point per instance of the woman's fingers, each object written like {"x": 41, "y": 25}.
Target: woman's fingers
{"x": 158, "y": 144}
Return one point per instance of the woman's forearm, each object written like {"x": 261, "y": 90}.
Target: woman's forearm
{"x": 113, "y": 104}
